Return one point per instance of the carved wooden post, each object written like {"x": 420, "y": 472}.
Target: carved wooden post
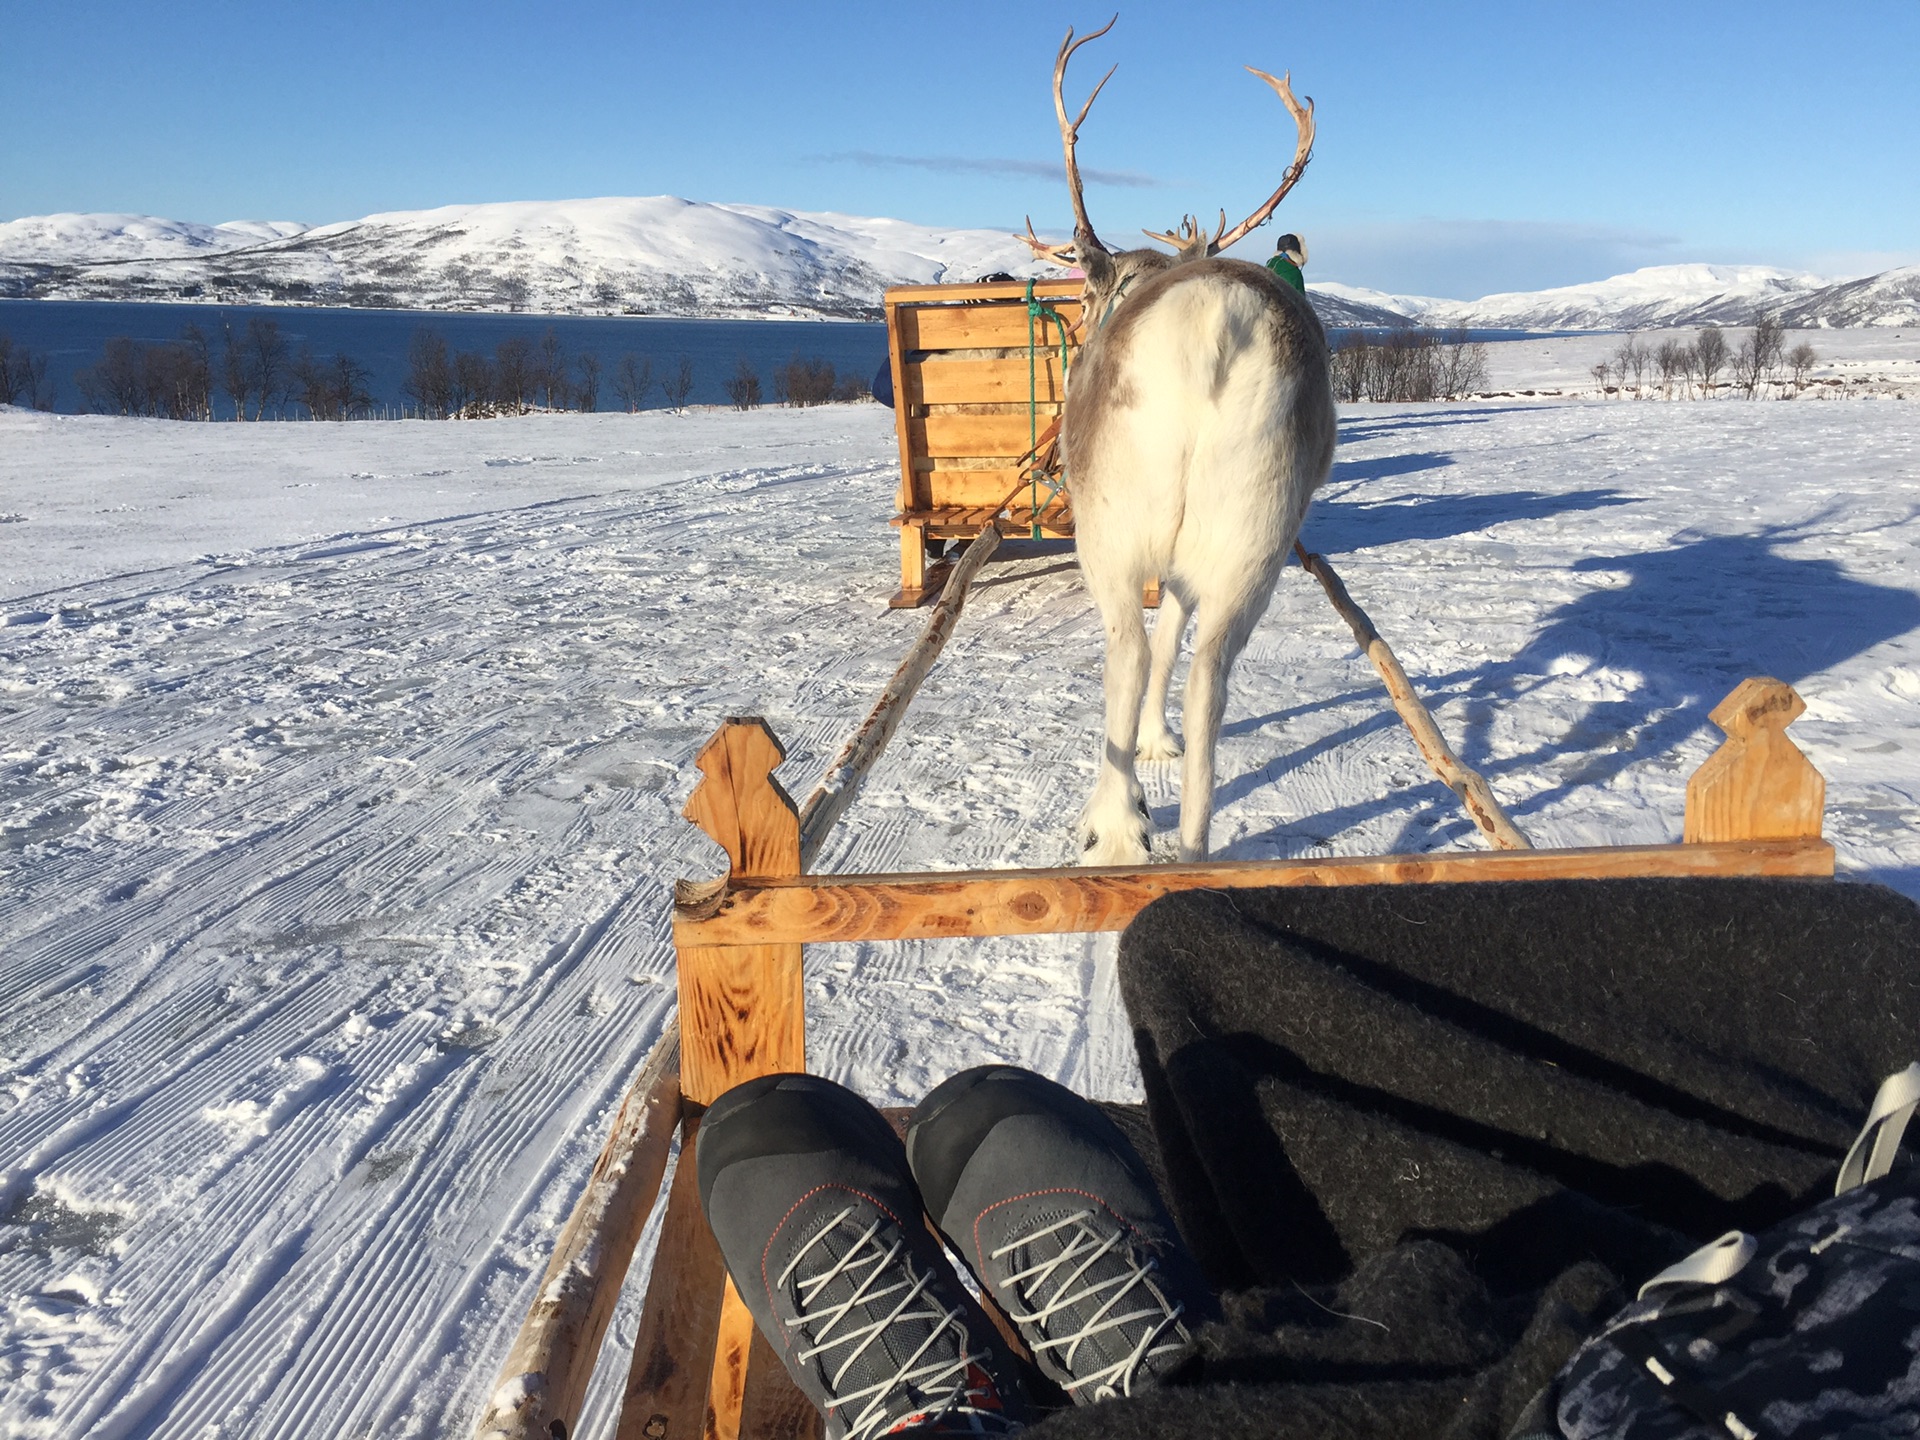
{"x": 742, "y": 1007}
{"x": 1756, "y": 786}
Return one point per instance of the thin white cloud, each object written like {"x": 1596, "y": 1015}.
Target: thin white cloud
{"x": 988, "y": 165}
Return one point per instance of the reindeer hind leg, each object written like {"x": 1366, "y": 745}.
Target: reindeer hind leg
{"x": 1115, "y": 827}
{"x": 1218, "y": 641}
{"x": 1157, "y": 742}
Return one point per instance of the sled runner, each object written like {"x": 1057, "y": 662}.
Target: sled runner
{"x": 699, "y": 1368}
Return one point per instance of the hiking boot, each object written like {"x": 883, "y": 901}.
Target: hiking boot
{"x": 1056, "y": 1214}
{"x": 808, "y": 1194}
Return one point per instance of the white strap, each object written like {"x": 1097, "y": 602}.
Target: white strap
{"x": 1709, "y": 1265}
{"x": 1872, "y": 1155}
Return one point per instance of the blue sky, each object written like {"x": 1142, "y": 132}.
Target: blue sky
{"x": 1463, "y": 148}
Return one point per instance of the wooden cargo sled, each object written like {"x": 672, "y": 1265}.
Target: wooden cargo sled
{"x": 979, "y": 378}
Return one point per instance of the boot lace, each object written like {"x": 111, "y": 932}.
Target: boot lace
{"x": 941, "y": 1386}
{"x": 1120, "y": 1296}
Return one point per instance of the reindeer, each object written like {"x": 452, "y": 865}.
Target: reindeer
{"x": 1198, "y": 423}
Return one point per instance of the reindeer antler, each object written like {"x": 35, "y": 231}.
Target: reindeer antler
{"x": 1052, "y": 254}
{"x": 1302, "y": 153}
{"x": 1083, "y": 233}
{"x": 1191, "y": 239}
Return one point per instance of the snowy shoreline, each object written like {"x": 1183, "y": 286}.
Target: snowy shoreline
{"x": 343, "y": 766}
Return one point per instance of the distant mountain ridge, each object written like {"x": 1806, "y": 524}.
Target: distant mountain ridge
{"x": 1676, "y": 296}
{"x": 661, "y": 255}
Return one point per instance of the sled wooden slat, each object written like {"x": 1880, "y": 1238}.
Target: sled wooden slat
{"x": 996, "y": 437}
{"x": 727, "y": 1389}
{"x": 828, "y": 908}
{"x": 986, "y": 382}
{"x": 773, "y": 1406}
{"x": 666, "y": 1394}
{"x": 1057, "y": 293}
{"x": 982, "y": 326}
{"x": 1055, "y": 515}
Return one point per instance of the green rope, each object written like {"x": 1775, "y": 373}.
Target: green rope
{"x": 1037, "y": 310}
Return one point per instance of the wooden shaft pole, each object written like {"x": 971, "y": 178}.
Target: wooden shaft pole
{"x": 544, "y": 1379}
{"x": 842, "y": 781}
{"x": 1463, "y": 780}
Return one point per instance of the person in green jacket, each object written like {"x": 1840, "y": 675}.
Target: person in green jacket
{"x": 1289, "y": 254}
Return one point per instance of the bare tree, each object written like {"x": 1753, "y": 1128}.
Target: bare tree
{"x": 115, "y": 384}
{"x": 1758, "y": 357}
{"x": 171, "y": 380}
{"x": 677, "y": 384}
{"x": 587, "y": 390}
{"x": 1600, "y": 373}
{"x": 1666, "y": 361}
{"x": 39, "y": 391}
{"x": 266, "y": 363}
{"x": 513, "y": 381}
{"x": 514, "y": 289}
{"x": 1687, "y": 357}
{"x": 550, "y": 370}
{"x": 1801, "y": 360}
{"x": 23, "y": 376}
{"x": 1630, "y": 364}
{"x": 233, "y": 371}
{"x": 632, "y": 379}
{"x": 429, "y": 382}
{"x": 331, "y": 389}
{"x": 13, "y": 380}
{"x": 744, "y": 388}
{"x": 804, "y": 382}
{"x": 471, "y": 396}
{"x": 1461, "y": 365}
{"x": 1710, "y": 355}
{"x": 193, "y": 376}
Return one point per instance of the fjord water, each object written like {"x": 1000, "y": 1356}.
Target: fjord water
{"x": 72, "y": 334}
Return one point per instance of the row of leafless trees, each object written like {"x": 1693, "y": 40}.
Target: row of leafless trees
{"x": 1679, "y": 369}
{"x": 1409, "y": 364}
{"x": 23, "y": 376}
{"x": 524, "y": 374}
{"x": 253, "y": 367}
{"x": 798, "y": 383}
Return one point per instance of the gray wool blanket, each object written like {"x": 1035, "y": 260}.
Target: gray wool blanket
{"x": 1425, "y": 1138}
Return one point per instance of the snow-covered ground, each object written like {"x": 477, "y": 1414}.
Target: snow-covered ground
{"x": 342, "y": 767}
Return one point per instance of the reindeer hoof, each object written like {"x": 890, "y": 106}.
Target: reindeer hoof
{"x": 1154, "y": 749}
{"x": 1125, "y": 846}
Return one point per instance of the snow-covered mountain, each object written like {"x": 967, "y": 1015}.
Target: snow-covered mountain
{"x": 661, "y": 255}
{"x": 1657, "y": 297}
{"x": 658, "y": 255}
{"x": 1889, "y": 298}
{"x": 1676, "y": 296}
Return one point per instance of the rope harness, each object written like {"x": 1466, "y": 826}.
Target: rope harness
{"x": 1042, "y": 469}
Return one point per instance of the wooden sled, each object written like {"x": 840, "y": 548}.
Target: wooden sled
{"x": 699, "y": 1369}
{"x": 976, "y": 382}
